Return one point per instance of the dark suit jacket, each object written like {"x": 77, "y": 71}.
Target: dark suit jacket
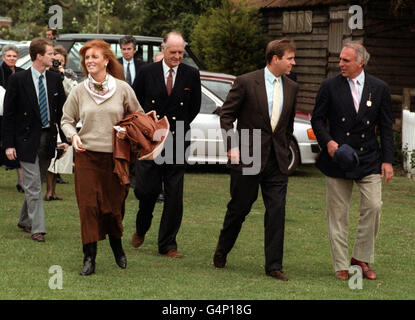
{"x": 137, "y": 64}
{"x": 247, "y": 103}
{"x": 334, "y": 106}
{"x": 5, "y": 73}
{"x": 182, "y": 105}
{"x": 21, "y": 119}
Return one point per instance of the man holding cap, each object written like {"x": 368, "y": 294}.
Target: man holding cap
{"x": 355, "y": 105}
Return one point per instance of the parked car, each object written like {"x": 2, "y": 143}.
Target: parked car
{"x": 147, "y": 47}
{"x": 219, "y": 83}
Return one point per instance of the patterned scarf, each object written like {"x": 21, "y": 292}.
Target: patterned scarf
{"x": 100, "y": 91}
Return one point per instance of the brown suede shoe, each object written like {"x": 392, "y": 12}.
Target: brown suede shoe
{"x": 342, "y": 274}
{"x": 27, "y": 229}
{"x": 172, "y": 253}
{"x": 278, "y": 274}
{"x": 219, "y": 259}
{"x": 367, "y": 271}
{"x": 137, "y": 240}
{"x": 39, "y": 237}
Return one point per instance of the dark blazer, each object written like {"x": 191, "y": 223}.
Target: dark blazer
{"x": 334, "y": 106}
{"x": 5, "y": 73}
{"x": 183, "y": 104}
{"x": 137, "y": 64}
{"x": 21, "y": 119}
{"x": 247, "y": 103}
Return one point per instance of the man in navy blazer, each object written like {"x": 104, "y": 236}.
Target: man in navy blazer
{"x": 171, "y": 89}
{"x": 357, "y": 107}
{"x": 30, "y": 137}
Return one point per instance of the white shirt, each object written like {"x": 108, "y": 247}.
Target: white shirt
{"x": 166, "y": 70}
{"x": 269, "y": 85}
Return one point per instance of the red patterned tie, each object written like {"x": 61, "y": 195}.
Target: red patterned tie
{"x": 170, "y": 82}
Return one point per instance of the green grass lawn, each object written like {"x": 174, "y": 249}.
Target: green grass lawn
{"x": 25, "y": 264}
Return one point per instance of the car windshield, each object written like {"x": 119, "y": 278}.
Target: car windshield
{"x": 221, "y": 88}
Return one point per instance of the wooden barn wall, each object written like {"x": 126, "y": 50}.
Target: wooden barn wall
{"x": 311, "y": 54}
{"x": 391, "y": 44}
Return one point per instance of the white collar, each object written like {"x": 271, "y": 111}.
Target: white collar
{"x": 166, "y": 68}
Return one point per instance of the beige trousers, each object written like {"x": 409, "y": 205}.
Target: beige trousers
{"x": 338, "y": 195}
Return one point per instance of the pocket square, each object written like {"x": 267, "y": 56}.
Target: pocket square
{"x": 186, "y": 89}
{"x": 56, "y": 93}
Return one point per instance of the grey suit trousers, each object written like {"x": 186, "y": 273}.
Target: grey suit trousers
{"x": 32, "y": 212}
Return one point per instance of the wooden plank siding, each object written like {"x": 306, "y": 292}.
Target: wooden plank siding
{"x": 311, "y": 53}
{"x": 391, "y": 44}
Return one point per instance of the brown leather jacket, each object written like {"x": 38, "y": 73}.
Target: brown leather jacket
{"x": 145, "y": 140}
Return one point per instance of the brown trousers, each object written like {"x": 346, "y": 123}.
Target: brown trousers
{"x": 100, "y": 196}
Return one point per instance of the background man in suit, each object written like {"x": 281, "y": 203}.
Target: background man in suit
{"x": 353, "y": 104}
{"x": 264, "y": 99}
{"x": 171, "y": 89}
{"x": 32, "y": 109}
{"x": 131, "y": 65}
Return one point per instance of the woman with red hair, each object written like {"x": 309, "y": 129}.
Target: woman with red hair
{"x": 100, "y": 101}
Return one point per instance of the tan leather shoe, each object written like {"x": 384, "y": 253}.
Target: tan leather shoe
{"x": 367, "y": 271}
{"x": 342, "y": 274}
{"x": 172, "y": 253}
{"x": 278, "y": 274}
{"x": 137, "y": 240}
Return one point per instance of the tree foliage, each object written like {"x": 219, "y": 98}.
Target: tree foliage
{"x": 145, "y": 17}
{"x": 161, "y": 16}
{"x": 230, "y": 39}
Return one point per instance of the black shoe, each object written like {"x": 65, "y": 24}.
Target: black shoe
{"x": 19, "y": 188}
{"x": 219, "y": 258}
{"x": 90, "y": 252}
{"x": 60, "y": 180}
{"x": 119, "y": 255}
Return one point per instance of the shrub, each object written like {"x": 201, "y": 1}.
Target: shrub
{"x": 230, "y": 38}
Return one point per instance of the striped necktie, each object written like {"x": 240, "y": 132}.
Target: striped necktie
{"x": 43, "y": 103}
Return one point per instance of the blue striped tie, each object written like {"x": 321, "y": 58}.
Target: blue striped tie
{"x": 43, "y": 103}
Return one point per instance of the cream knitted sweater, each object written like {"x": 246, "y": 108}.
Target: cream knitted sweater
{"x": 97, "y": 120}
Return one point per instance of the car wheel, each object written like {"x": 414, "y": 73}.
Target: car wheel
{"x": 294, "y": 157}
